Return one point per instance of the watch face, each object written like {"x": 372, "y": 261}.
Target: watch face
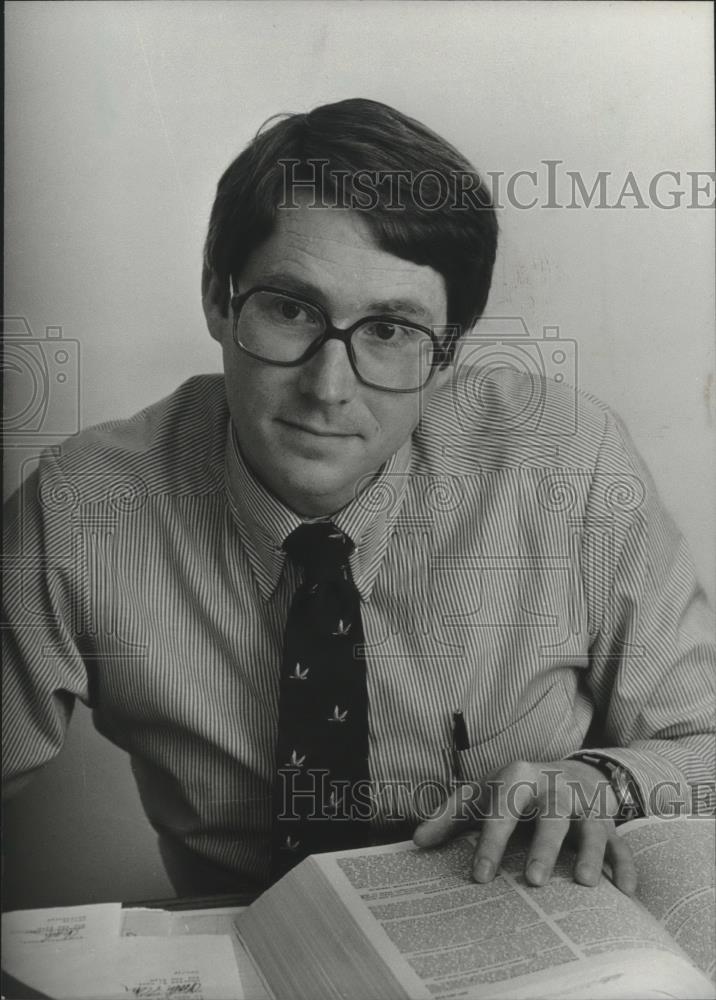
{"x": 623, "y": 785}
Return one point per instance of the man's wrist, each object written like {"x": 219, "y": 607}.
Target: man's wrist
{"x": 621, "y": 782}
{"x": 591, "y": 790}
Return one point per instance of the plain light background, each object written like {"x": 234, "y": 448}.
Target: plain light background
{"x": 120, "y": 117}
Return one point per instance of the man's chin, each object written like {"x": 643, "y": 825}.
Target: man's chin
{"x": 313, "y": 491}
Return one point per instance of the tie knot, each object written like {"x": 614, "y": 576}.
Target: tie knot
{"x": 319, "y": 548}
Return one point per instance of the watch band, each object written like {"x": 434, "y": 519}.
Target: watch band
{"x": 623, "y": 786}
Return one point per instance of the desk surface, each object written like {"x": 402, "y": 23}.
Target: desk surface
{"x": 197, "y": 902}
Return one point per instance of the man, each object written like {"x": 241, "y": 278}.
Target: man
{"x": 513, "y": 628}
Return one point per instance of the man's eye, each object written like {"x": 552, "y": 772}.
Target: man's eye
{"x": 387, "y": 331}
{"x": 392, "y": 334}
{"x": 289, "y": 310}
{"x": 294, "y": 314}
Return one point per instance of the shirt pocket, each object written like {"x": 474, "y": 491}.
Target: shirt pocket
{"x": 547, "y": 730}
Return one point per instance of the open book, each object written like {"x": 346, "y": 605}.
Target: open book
{"x": 399, "y": 922}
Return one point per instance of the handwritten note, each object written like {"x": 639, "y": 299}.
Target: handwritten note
{"x": 63, "y": 952}
{"x": 78, "y": 953}
{"x": 69, "y": 923}
{"x": 202, "y": 967}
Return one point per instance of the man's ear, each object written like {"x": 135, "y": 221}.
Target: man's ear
{"x": 450, "y": 338}
{"x": 215, "y": 300}
{"x": 443, "y": 375}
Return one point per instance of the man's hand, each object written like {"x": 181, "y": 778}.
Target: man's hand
{"x": 563, "y": 796}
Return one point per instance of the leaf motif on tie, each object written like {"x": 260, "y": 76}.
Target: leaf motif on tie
{"x": 313, "y": 590}
{"x": 338, "y": 716}
{"x": 295, "y": 760}
{"x": 291, "y": 844}
{"x": 298, "y": 674}
{"x": 336, "y": 536}
{"x": 342, "y": 629}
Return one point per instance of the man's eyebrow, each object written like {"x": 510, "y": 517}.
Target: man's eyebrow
{"x": 396, "y": 307}
{"x": 401, "y": 307}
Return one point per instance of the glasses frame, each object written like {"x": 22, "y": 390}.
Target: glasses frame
{"x": 441, "y": 352}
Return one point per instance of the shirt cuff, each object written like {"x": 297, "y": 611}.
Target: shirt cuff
{"x": 661, "y": 788}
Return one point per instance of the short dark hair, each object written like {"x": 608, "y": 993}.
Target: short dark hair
{"x": 456, "y": 235}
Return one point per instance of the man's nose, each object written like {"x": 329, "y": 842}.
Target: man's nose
{"x": 328, "y": 376}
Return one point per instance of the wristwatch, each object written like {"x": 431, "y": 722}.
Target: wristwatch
{"x": 623, "y": 786}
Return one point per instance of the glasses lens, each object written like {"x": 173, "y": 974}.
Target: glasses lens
{"x": 277, "y": 327}
{"x": 280, "y": 328}
{"x": 393, "y": 355}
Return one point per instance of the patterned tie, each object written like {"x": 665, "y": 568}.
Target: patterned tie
{"x": 322, "y": 747}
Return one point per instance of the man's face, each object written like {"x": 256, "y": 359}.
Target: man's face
{"x": 314, "y": 434}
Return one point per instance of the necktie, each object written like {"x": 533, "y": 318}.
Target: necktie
{"x": 322, "y": 746}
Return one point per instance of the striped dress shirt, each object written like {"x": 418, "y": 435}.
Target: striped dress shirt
{"x": 513, "y": 562}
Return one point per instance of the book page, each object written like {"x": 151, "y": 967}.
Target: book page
{"x": 676, "y": 865}
{"x": 505, "y": 937}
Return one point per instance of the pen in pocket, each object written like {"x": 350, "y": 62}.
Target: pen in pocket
{"x": 460, "y": 741}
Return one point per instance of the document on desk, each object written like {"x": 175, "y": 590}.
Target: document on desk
{"x": 64, "y": 952}
{"x": 78, "y": 953}
{"x": 217, "y": 920}
{"x": 202, "y": 967}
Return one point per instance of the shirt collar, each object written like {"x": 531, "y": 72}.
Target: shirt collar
{"x": 264, "y": 522}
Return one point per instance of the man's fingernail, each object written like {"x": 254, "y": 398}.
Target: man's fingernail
{"x": 484, "y": 870}
{"x": 536, "y": 873}
{"x": 587, "y": 875}
{"x": 628, "y": 885}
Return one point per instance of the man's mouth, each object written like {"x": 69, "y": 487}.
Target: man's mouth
{"x": 321, "y": 432}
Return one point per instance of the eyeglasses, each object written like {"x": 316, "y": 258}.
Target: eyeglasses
{"x": 384, "y": 352}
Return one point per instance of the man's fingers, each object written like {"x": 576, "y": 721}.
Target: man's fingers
{"x": 489, "y": 851}
{"x": 459, "y": 811}
{"x": 544, "y": 850}
{"x": 512, "y": 801}
{"x": 500, "y": 802}
{"x": 620, "y": 857}
{"x": 592, "y": 842}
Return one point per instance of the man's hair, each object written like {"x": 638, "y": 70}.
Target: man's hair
{"x": 438, "y": 214}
